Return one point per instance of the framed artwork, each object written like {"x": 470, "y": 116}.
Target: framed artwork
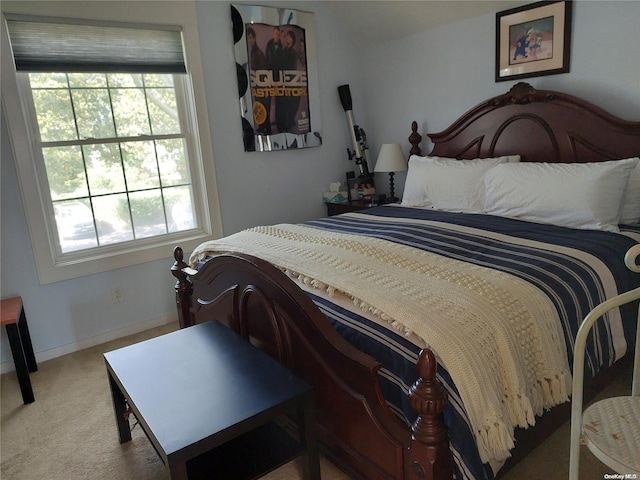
{"x": 276, "y": 66}
{"x": 533, "y": 40}
{"x": 352, "y": 189}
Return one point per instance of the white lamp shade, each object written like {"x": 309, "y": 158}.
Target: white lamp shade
{"x": 391, "y": 159}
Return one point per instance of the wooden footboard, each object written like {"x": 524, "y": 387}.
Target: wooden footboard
{"x": 356, "y": 427}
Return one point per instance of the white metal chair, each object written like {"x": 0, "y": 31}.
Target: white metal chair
{"x": 610, "y": 427}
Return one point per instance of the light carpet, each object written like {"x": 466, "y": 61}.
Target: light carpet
{"x": 69, "y": 432}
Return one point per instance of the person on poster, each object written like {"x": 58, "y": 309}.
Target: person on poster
{"x": 287, "y": 105}
{"x": 273, "y": 55}
{"x": 302, "y": 55}
{"x": 258, "y": 61}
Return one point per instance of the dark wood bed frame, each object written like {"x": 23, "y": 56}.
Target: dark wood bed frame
{"x": 356, "y": 428}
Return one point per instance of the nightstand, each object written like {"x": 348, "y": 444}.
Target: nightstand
{"x": 353, "y": 206}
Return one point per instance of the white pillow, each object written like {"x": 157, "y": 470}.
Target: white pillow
{"x": 448, "y": 183}
{"x": 631, "y": 200}
{"x": 576, "y": 195}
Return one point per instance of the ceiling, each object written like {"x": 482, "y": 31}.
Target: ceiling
{"x": 379, "y": 21}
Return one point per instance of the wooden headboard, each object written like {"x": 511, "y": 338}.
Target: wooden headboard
{"x": 540, "y": 126}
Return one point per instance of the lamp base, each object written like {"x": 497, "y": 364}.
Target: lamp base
{"x": 392, "y": 197}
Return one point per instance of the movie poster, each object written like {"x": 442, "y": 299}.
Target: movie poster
{"x": 278, "y": 78}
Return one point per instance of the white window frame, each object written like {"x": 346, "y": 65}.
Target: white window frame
{"x": 54, "y": 266}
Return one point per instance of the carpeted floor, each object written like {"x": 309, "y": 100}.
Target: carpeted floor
{"x": 69, "y": 432}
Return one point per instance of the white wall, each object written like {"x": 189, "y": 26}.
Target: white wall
{"x": 435, "y": 76}
{"x": 432, "y": 77}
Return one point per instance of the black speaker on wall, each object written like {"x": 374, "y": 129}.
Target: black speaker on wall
{"x": 236, "y": 24}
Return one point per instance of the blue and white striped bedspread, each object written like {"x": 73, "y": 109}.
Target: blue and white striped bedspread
{"x": 577, "y": 269}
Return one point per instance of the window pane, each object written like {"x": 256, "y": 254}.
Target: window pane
{"x": 158, "y": 80}
{"x": 48, "y": 80}
{"x": 55, "y": 116}
{"x": 125, "y": 80}
{"x": 173, "y": 164}
{"x": 130, "y": 111}
{"x": 141, "y": 167}
{"x": 179, "y": 208}
{"x": 104, "y": 169}
{"x": 163, "y": 111}
{"x": 148, "y": 213}
{"x": 113, "y": 219}
{"x": 93, "y": 111}
{"x": 65, "y": 172}
{"x": 87, "y": 80}
{"x": 74, "y": 221}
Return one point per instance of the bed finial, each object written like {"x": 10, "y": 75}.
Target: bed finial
{"x": 414, "y": 139}
{"x": 178, "y": 254}
{"x": 428, "y": 397}
{"x": 183, "y": 288}
{"x": 522, "y": 93}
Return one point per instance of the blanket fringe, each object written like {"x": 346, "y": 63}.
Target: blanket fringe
{"x": 494, "y": 441}
{"x": 545, "y": 388}
{"x": 559, "y": 387}
{"x": 520, "y": 410}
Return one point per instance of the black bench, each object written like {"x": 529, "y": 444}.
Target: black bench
{"x": 213, "y": 405}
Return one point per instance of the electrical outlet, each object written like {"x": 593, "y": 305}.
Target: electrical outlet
{"x": 117, "y": 295}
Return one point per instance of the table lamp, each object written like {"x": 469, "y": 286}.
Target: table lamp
{"x": 391, "y": 159}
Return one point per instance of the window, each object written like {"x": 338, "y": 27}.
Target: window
{"x": 113, "y": 135}
{"x": 115, "y": 156}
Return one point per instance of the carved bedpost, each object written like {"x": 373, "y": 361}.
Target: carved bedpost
{"x": 183, "y": 289}
{"x": 429, "y": 456}
{"x": 414, "y": 139}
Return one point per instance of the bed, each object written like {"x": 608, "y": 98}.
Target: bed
{"x": 401, "y": 400}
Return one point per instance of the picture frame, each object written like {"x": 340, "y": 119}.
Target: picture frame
{"x": 533, "y": 40}
{"x": 352, "y": 189}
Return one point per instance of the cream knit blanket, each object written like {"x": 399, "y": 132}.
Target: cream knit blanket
{"x": 498, "y": 336}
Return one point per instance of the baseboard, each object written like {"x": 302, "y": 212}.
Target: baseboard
{"x": 96, "y": 340}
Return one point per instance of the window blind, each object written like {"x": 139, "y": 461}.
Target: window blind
{"x": 46, "y": 44}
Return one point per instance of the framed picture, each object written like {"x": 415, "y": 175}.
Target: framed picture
{"x": 352, "y": 188}
{"x": 276, "y": 68}
{"x": 533, "y": 40}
